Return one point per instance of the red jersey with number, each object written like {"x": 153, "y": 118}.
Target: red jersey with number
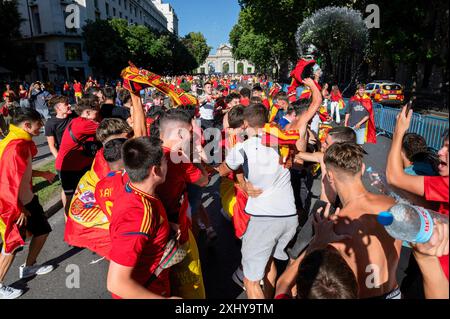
{"x": 108, "y": 190}
{"x": 139, "y": 233}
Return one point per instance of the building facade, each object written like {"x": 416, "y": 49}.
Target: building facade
{"x": 169, "y": 13}
{"x": 60, "y": 53}
{"x": 223, "y": 62}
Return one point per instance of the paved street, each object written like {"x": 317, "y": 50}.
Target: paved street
{"x": 43, "y": 154}
{"x": 218, "y": 262}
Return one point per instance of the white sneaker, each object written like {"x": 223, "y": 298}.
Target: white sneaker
{"x": 25, "y": 272}
{"x": 7, "y": 292}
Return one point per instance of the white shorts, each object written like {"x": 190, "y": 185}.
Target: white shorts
{"x": 265, "y": 238}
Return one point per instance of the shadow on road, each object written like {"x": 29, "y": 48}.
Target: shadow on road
{"x": 38, "y": 158}
{"x": 22, "y": 283}
{"x": 44, "y": 184}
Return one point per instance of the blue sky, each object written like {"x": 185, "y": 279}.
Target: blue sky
{"x": 214, "y": 18}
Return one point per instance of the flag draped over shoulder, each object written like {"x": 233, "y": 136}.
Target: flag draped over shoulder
{"x": 233, "y": 198}
{"x": 87, "y": 225}
{"x": 135, "y": 80}
{"x": 274, "y": 108}
{"x": 371, "y": 131}
{"x": 273, "y": 135}
{"x": 273, "y": 112}
{"x": 15, "y": 150}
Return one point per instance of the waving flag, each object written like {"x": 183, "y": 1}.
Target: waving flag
{"x": 297, "y": 79}
{"x": 135, "y": 80}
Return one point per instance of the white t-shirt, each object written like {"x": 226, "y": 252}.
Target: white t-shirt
{"x": 261, "y": 165}
{"x": 207, "y": 110}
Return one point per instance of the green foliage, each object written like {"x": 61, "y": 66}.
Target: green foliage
{"x": 196, "y": 44}
{"x": 411, "y": 32}
{"x": 185, "y": 86}
{"x": 15, "y": 55}
{"x": 259, "y": 49}
{"x": 160, "y": 52}
{"x": 105, "y": 44}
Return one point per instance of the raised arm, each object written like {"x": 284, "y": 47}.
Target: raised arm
{"x": 315, "y": 104}
{"x": 139, "y": 126}
{"x": 394, "y": 169}
{"x": 435, "y": 283}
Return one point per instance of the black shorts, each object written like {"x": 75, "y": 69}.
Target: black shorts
{"x": 37, "y": 223}
{"x": 69, "y": 180}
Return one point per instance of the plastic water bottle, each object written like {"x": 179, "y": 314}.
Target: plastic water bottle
{"x": 379, "y": 181}
{"x": 410, "y": 223}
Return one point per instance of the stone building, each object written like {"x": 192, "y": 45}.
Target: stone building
{"x": 60, "y": 53}
{"x": 223, "y": 62}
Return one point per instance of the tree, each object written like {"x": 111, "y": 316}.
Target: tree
{"x": 259, "y": 49}
{"x": 196, "y": 44}
{"x": 15, "y": 54}
{"x": 107, "y": 49}
{"x": 111, "y": 44}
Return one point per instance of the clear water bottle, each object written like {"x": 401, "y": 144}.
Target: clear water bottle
{"x": 379, "y": 181}
{"x": 410, "y": 223}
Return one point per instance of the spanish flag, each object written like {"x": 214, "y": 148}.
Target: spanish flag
{"x": 274, "y": 90}
{"x": 135, "y": 80}
{"x": 87, "y": 225}
{"x": 371, "y": 131}
{"x": 15, "y": 150}
{"x": 273, "y": 135}
{"x": 285, "y": 140}
{"x": 273, "y": 112}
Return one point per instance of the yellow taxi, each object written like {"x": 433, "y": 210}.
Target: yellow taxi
{"x": 385, "y": 92}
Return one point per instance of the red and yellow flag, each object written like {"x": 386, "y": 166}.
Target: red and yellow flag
{"x": 15, "y": 150}
{"x": 135, "y": 80}
{"x": 87, "y": 225}
{"x": 371, "y": 131}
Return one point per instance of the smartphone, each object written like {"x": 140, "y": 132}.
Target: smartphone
{"x": 409, "y": 105}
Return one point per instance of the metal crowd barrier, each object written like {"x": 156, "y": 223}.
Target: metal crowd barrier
{"x": 430, "y": 127}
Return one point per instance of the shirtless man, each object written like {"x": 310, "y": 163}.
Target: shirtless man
{"x": 371, "y": 253}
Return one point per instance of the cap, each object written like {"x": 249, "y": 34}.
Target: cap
{"x": 385, "y": 218}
